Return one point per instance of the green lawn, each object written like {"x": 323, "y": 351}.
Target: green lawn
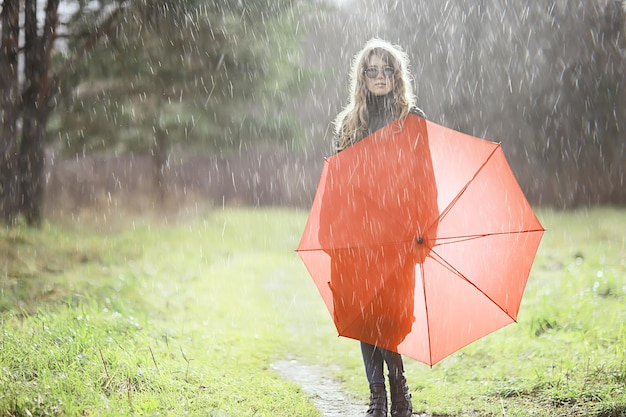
{"x": 185, "y": 319}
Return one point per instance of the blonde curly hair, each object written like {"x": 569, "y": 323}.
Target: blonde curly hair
{"x": 352, "y": 123}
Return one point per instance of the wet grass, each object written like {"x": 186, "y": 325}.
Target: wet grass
{"x": 185, "y": 319}
{"x": 149, "y": 320}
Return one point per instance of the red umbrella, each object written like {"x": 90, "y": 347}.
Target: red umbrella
{"x": 420, "y": 239}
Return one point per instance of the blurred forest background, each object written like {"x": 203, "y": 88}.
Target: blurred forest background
{"x": 141, "y": 104}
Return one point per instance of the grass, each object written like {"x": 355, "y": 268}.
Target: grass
{"x": 167, "y": 320}
{"x": 185, "y": 319}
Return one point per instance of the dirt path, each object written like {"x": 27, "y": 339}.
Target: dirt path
{"x": 327, "y": 394}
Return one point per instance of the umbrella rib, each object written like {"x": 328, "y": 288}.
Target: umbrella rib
{"x": 459, "y": 239}
{"x": 362, "y": 246}
{"x": 445, "y": 212}
{"x": 439, "y": 241}
{"x": 430, "y": 351}
{"x": 440, "y": 260}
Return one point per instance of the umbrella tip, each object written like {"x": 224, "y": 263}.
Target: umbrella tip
{"x": 419, "y": 240}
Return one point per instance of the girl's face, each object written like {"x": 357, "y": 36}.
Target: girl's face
{"x": 379, "y": 76}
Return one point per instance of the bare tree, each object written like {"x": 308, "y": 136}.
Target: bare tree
{"x": 35, "y": 106}
{"x": 26, "y": 102}
{"x": 9, "y": 111}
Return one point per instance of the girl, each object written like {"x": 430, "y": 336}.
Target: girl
{"x": 381, "y": 93}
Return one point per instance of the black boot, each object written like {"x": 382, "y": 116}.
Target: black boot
{"x": 378, "y": 401}
{"x": 400, "y": 397}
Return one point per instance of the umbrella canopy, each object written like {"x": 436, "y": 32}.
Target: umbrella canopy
{"x": 420, "y": 239}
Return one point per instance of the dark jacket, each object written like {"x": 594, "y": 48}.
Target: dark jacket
{"x": 380, "y": 115}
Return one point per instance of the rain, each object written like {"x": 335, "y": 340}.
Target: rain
{"x": 174, "y": 108}
{"x": 235, "y": 83}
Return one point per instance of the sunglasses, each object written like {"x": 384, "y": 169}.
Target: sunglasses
{"x": 372, "y": 72}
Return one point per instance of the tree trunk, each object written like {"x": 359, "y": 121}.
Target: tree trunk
{"x": 36, "y": 107}
{"x": 31, "y": 164}
{"x": 9, "y": 111}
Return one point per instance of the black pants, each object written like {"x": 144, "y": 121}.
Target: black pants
{"x": 374, "y": 359}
